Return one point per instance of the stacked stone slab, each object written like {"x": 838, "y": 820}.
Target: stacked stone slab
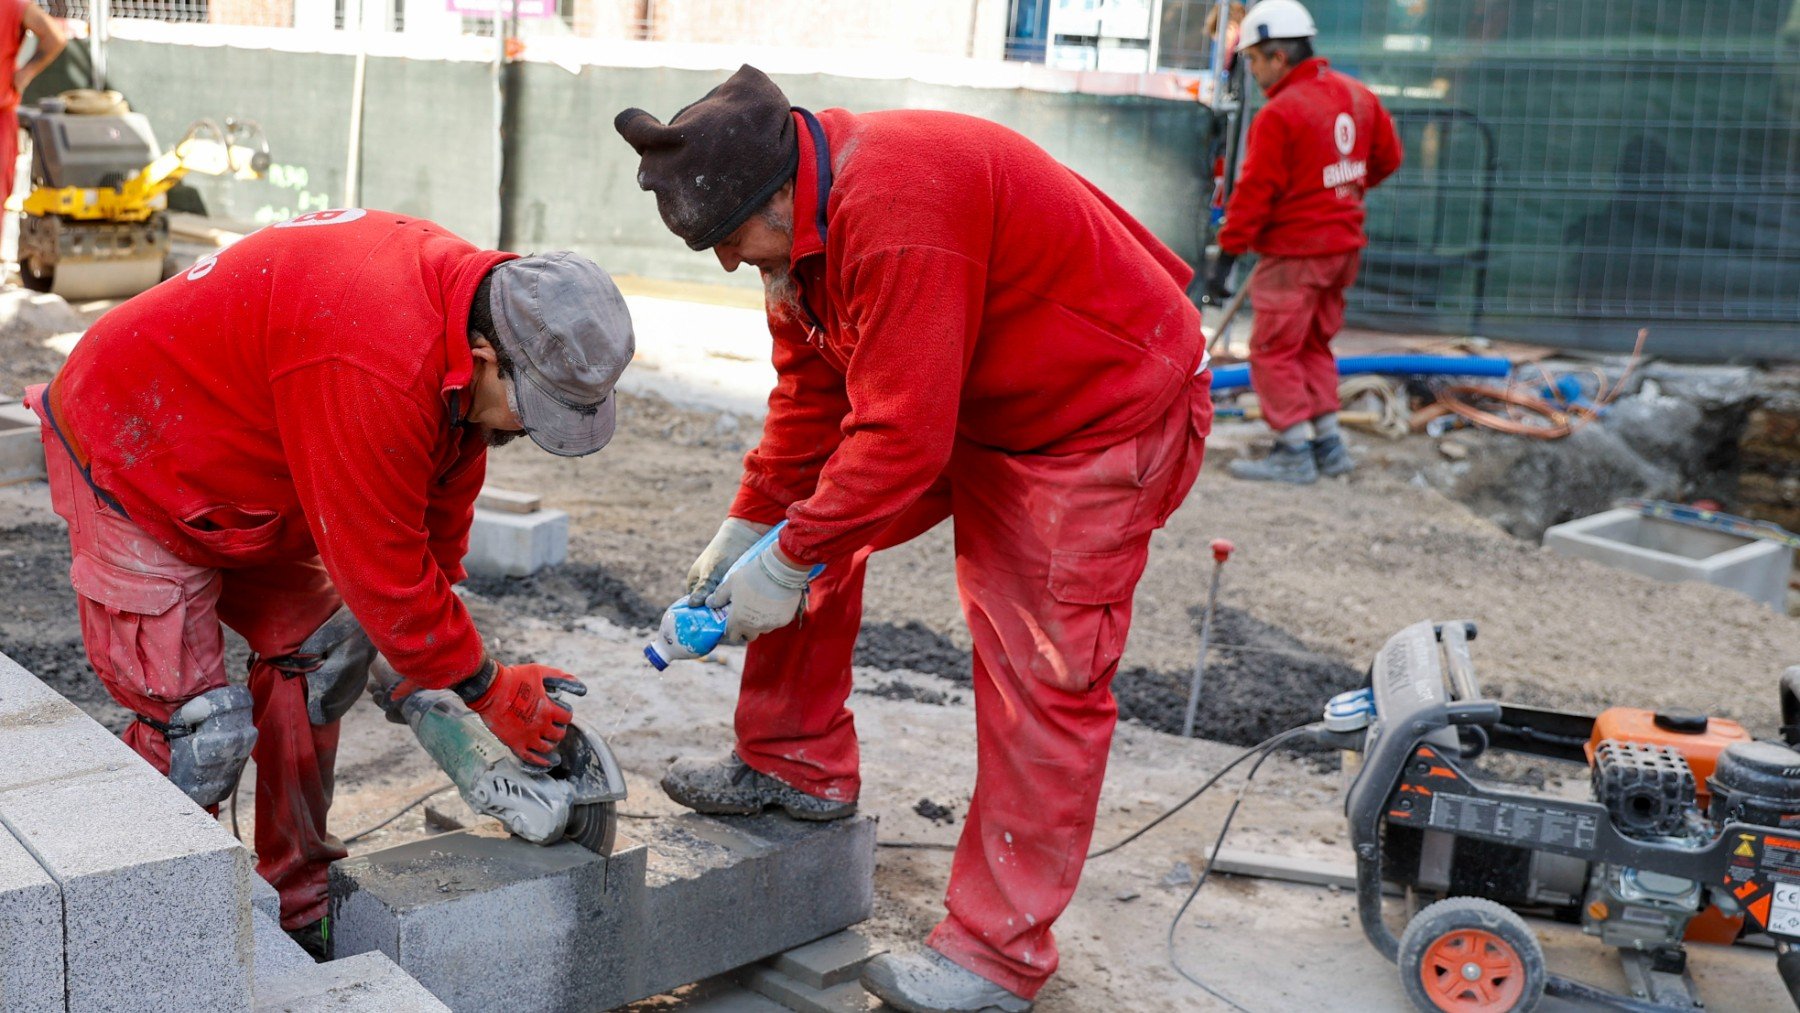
{"x": 154, "y": 894}
{"x": 117, "y": 892}
{"x": 488, "y": 922}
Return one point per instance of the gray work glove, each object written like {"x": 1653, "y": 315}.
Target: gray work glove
{"x": 735, "y": 537}
{"x": 764, "y": 594}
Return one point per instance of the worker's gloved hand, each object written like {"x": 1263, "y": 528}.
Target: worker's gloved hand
{"x": 735, "y": 537}
{"x": 764, "y": 594}
{"x": 1216, "y": 293}
{"x": 514, "y": 701}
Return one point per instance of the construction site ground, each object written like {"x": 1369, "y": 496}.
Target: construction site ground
{"x": 1321, "y": 577}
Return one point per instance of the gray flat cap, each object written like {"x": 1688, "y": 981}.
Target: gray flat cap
{"x": 564, "y": 325}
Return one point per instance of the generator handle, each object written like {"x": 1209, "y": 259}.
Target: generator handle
{"x": 1474, "y": 712}
{"x": 1461, "y": 666}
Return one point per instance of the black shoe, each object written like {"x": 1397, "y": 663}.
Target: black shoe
{"x": 1284, "y": 464}
{"x": 728, "y": 787}
{"x": 1331, "y": 457}
{"x": 315, "y": 939}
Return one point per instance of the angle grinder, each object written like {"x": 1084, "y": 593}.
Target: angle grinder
{"x": 574, "y": 800}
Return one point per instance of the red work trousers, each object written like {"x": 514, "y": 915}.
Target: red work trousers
{"x": 1299, "y": 307}
{"x": 150, "y": 623}
{"x": 1049, "y": 550}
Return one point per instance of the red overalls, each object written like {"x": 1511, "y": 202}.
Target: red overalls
{"x": 1321, "y": 142}
{"x": 984, "y": 337}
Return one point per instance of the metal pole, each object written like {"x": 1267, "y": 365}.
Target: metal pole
{"x": 1221, "y": 550}
{"x": 98, "y": 14}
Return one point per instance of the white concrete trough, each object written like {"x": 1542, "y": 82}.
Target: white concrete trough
{"x": 21, "y": 449}
{"x": 1671, "y": 551}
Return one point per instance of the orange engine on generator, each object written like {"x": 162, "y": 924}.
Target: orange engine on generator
{"x": 1698, "y": 738}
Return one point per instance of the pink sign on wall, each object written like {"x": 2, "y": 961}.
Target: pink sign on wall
{"x": 501, "y": 8}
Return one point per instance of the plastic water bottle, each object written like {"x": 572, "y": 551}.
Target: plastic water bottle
{"x": 692, "y": 631}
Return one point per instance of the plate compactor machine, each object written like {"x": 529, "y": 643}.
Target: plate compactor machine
{"x": 95, "y": 224}
{"x": 1690, "y": 832}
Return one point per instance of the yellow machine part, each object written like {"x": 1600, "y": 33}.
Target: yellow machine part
{"x": 141, "y": 196}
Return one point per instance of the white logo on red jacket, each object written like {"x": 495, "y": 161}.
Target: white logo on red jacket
{"x": 336, "y": 216}
{"x": 1346, "y": 173}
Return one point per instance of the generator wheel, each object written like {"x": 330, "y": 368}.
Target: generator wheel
{"x": 35, "y": 278}
{"x": 1470, "y": 955}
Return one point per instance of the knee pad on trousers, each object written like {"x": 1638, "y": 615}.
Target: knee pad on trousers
{"x": 335, "y": 662}
{"x": 210, "y": 738}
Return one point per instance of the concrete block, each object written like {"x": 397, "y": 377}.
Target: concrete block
{"x": 783, "y": 882}
{"x": 516, "y": 545}
{"x": 132, "y": 857}
{"x": 694, "y": 897}
{"x": 31, "y": 933}
{"x": 21, "y": 448}
{"x": 488, "y": 922}
{"x": 264, "y": 898}
{"x": 833, "y": 960}
{"x": 845, "y": 997}
{"x": 365, "y": 982}
{"x": 277, "y": 956}
{"x": 1670, "y": 551}
{"x": 507, "y": 501}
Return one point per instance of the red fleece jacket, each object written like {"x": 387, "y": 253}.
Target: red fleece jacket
{"x": 295, "y": 395}
{"x": 959, "y": 283}
{"x": 1320, "y": 143}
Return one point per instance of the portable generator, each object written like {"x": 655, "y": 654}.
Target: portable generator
{"x": 1690, "y": 831}
{"x": 95, "y": 224}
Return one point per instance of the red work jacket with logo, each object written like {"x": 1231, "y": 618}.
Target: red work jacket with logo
{"x": 297, "y": 394}
{"x": 1320, "y": 143}
{"x": 956, "y": 282}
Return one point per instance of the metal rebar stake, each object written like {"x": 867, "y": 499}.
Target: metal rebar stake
{"x": 1221, "y": 550}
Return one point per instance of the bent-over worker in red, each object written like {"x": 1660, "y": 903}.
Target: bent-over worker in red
{"x": 963, "y": 327}
{"x": 1321, "y": 142}
{"x": 288, "y": 438}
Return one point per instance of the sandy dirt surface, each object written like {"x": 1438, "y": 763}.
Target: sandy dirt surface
{"x": 1321, "y": 577}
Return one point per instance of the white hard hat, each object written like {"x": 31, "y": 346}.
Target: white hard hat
{"x": 1275, "y": 19}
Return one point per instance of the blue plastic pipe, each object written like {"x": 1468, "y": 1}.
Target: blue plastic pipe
{"x": 1236, "y": 377}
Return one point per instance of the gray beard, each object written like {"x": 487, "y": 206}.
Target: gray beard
{"x": 501, "y": 437}
{"x": 780, "y": 295}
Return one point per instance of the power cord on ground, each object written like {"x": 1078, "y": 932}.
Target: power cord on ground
{"x": 409, "y": 807}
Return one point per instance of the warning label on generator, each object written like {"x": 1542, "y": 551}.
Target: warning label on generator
{"x": 1780, "y": 857}
{"x": 1513, "y": 821}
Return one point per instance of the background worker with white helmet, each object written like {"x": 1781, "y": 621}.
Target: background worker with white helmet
{"x": 1321, "y": 142}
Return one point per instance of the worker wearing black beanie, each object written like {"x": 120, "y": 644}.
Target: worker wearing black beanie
{"x": 717, "y": 161}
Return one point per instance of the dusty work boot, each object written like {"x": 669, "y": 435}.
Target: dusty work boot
{"x": 1286, "y": 463}
{"x": 1331, "y": 457}
{"x": 728, "y": 787}
{"x": 926, "y": 981}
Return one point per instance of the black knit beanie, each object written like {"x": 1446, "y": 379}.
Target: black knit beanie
{"x": 718, "y": 160}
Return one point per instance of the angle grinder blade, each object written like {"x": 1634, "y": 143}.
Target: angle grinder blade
{"x": 594, "y": 826}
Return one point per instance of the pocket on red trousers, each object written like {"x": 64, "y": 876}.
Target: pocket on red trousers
{"x": 134, "y": 626}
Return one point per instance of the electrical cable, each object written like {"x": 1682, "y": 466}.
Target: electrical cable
{"x": 1267, "y": 744}
{"x": 408, "y": 807}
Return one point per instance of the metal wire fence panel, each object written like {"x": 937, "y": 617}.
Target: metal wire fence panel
{"x": 1575, "y": 164}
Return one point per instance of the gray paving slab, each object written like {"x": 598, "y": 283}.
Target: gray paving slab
{"x": 155, "y": 894}
{"x": 516, "y": 545}
{"x": 264, "y": 898}
{"x": 845, "y": 997}
{"x": 31, "y": 933}
{"x": 487, "y": 922}
{"x": 695, "y": 897}
{"x": 277, "y": 955}
{"x": 365, "y": 983}
{"x": 833, "y": 960}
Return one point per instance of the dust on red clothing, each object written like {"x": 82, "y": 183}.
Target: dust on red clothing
{"x": 957, "y": 282}
{"x": 1321, "y": 143}
{"x": 296, "y": 395}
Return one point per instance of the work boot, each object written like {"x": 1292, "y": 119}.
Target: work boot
{"x": 926, "y": 981}
{"x": 315, "y": 939}
{"x": 1285, "y": 463}
{"x": 1331, "y": 457}
{"x": 728, "y": 787}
